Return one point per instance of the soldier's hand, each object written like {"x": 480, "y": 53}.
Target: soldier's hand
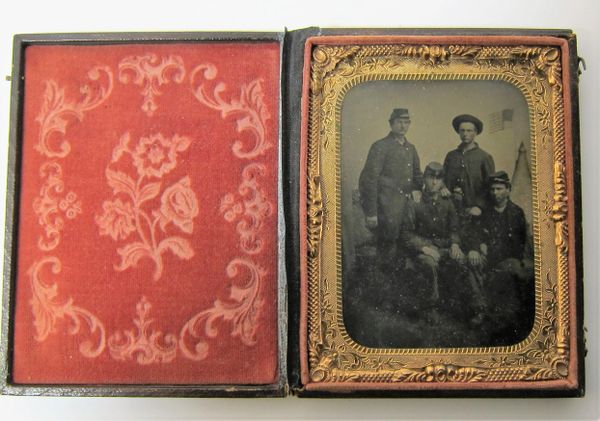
{"x": 445, "y": 192}
{"x": 475, "y": 211}
{"x": 431, "y": 252}
{"x": 456, "y": 253}
{"x": 475, "y": 258}
{"x": 484, "y": 249}
{"x": 416, "y": 195}
{"x": 371, "y": 222}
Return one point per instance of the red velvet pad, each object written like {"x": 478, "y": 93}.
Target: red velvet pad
{"x": 148, "y": 215}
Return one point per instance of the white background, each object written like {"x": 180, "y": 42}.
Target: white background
{"x": 582, "y": 16}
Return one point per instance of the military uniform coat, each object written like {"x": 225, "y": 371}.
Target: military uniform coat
{"x": 469, "y": 170}
{"x": 392, "y": 171}
{"x": 504, "y": 233}
{"x": 434, "y": 222}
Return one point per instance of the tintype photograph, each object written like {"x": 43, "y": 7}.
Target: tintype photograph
{"x": 441, "y": 215}
{"x": 436, "y": 214}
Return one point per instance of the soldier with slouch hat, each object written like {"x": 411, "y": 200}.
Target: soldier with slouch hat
{"x": 467, "y": 167}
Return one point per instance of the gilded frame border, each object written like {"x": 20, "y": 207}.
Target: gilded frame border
{"x": 539, "y": 68}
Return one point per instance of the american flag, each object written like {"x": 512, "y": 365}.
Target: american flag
{"x": 498, "y": 119}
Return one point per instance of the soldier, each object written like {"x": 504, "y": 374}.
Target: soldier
{"x": 390, "y": 178}
{"x": 504, "y": 228}
{"x": 434, "y": 235}
{"x": 507, "y": 285}
{"x": 467, "y": 168}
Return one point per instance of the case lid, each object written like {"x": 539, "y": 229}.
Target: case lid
{"x": 148, "y": 214}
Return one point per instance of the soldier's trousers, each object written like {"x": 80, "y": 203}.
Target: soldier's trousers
{"x": 390, "y": 255}
{"x": 510, "y": 292}
{"x": 431, "y": 269}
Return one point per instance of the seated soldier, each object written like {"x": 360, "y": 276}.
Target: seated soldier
{"x": 432, "y": 236}
{"x": 508, "y": 273}
{"x": 504, "y": 229}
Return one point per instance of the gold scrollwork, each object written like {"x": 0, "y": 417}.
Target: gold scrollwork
{"x": 315, "y": 216}
{"x": 559, "y": 208}
{"x": 333, "y": 355}
{"x": 326, "y": 59}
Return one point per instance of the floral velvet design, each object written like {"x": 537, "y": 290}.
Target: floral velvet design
{"x": 134, "y": 211}
{"x": 153, "y": 157}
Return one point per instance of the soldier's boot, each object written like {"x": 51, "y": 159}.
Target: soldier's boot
{"x": 433, "y": 316}
{"x": 435, "y": 295}
{"x": 429, "y": 266}
{"x": 480, "y": 308}
{"x": 385, "y": 252}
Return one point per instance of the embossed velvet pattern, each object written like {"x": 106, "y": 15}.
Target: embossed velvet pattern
{"x": 147, "y": 246}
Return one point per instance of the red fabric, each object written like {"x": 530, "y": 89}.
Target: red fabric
{"x": 123, "y": 248}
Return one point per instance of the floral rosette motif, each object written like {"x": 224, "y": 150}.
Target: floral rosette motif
{"x": 116, "y": 220}
{"x": 179, "y": 206}
{"x": 153, "y": 157}
{"x": 52, "y": 204}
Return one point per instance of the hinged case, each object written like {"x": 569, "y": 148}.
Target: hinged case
{"x": 189, "y": 214}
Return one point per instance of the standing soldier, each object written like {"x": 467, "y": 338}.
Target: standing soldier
{"x": 434, "y": 235}
{"x": 467, "y": 167}
{"x": 390, "y": 178}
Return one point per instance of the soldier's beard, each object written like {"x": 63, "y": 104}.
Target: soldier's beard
{"x": 500, "y": 202}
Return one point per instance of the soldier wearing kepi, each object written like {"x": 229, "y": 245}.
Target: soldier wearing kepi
{"x": 434, "y": 234}
{"x": 500, "y": 252}
{"x": 504, "y": 228}
{"x": 390, "y": 178}
{"x": 467, "y": 167}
